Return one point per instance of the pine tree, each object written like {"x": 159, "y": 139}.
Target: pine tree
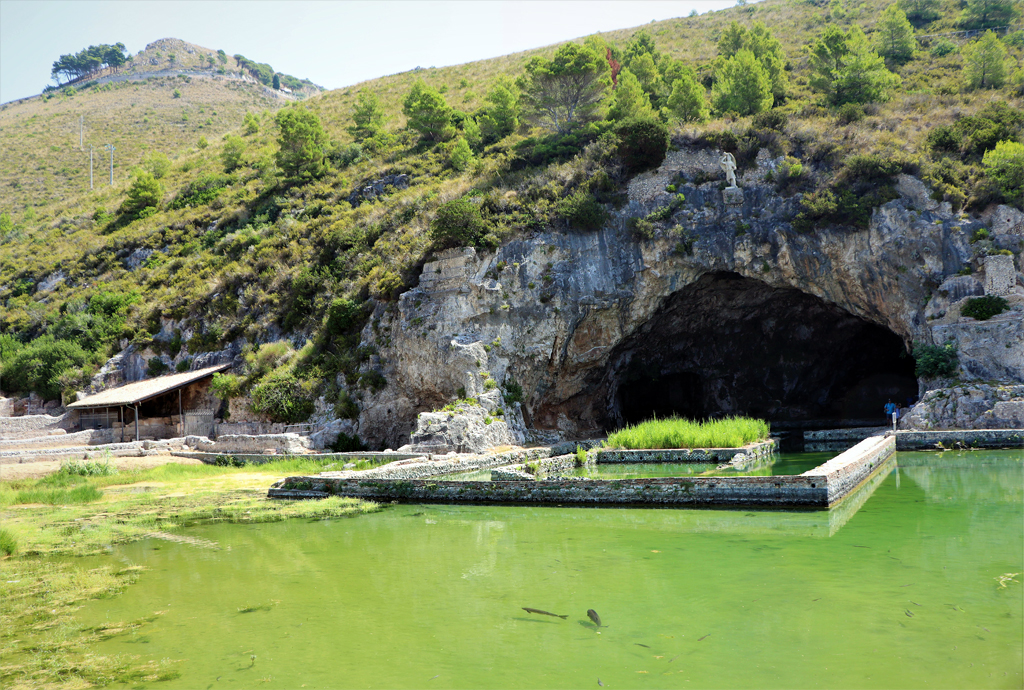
{"x": 461, "y": 155}
{"x": 144, "y": 193}
{"x": 985, "y": 62}
{"x": 368, "y": 116}
{"x": 428, "y": 113}
{"x": 742, "y": 85}
{"x": 688, "y": 101}
{"x": 765, "y": 47}
{"x": 895, "y": 38}
{"x": 989, "y": 14}
{"x": 921, "y": 12}
{"x": 847, "y": 70}
{"x": 303, "y": 144}
{"x": 629, "y": 99}
{"x": 501, "y": 117}
{"x": 566, "y": 90}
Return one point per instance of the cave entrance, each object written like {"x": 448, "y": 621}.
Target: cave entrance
{"x": 728, "y": 345}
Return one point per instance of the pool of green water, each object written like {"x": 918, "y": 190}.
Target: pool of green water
{"x": 904, "y": 592}
{"x": 786, "y": 463}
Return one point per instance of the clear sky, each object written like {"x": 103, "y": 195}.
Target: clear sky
{"x": 333, "y": 43}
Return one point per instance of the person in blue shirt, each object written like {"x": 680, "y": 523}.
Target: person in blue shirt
{"x": 890, "y": 407}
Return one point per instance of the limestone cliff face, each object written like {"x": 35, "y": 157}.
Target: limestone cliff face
{"x": 564, "y": 313}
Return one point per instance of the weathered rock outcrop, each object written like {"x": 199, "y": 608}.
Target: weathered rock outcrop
{"x": 968, "y": 406}
{"x": 563, "y": 314}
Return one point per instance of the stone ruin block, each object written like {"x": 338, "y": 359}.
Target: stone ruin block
{"x": 1000, "y": 275}
{"x": 733, "y": 196}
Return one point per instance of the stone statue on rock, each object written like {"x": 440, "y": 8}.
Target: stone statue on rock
{"x": 728, "y": 163}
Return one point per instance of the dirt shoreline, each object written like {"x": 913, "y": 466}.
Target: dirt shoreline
{"x": 42, "y": 468}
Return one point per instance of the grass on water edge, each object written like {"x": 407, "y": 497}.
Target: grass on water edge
{"x": 674, "y": 432}
{"x": 48, "y": 521}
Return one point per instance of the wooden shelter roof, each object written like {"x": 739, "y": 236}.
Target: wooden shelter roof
{"x": 135, "y": 393}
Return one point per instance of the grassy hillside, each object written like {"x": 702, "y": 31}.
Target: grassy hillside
{"x": 249, "y": 251}
{"x": 163, "y": 105}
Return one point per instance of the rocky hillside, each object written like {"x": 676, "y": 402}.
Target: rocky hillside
{"x": 434, "y": 237}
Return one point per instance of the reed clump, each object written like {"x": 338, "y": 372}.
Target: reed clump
{"x": 675, "y": 432}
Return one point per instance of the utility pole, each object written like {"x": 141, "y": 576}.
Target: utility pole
{"x": 111, "y": 147}
{"x": 81, "y": 132}
{"x": 90, "y": 166}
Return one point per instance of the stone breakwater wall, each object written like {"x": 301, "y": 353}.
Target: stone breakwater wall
{"x": 821, "y": 487}
{"x": 754, "y": 451}
{"x": 440, "y": 465}
{"x": 965, "y": 438}
{"x": 845, "y": 472}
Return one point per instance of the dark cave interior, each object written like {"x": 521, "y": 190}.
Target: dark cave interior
{"x": 729, "y": 345}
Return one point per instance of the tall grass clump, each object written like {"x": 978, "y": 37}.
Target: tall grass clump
{"x": 88, "y": 468}
{"x": 675, "y": 432}
{"x": 8, "y": 543}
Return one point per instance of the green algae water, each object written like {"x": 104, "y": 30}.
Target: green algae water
{"x": 908, "y": 584}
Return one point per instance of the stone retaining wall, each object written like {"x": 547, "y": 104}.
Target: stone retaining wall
{"x": 250, "y": 444}
{"x": 263, "y": 458}
{"x": 968, "y": 438}
{"x": 88, "y": 437}
{"x": 549, "y": 466}
{"x": 685, "y": 455}
{"x": 32, "y": 425}
{"x": 821, "y": 487}
{"x": 131, "y": 449}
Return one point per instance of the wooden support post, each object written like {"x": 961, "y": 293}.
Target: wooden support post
{"x": 121, "y": 407}
{"x": 136, "y": 423}
{"x": 181, "y": 418}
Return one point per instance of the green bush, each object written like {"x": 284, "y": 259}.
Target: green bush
{"x": 283, "y": 397}
{"x": 156, "y": 367}
{"x": 984, "y": 308}
{"x": 39, "y": 366}
{"x": 144, "y": 193}
{"x": 347, "y": 444}
{"x": 202, "y": 190}
{"x": 227, "y": 386}
{"x": 513, "y": 392}
{"x": 943, "y": 47}
{"x": 1004, "y": 165}
{"x": 458, "y": 223}
{"x": 581, "y": 210}
{"x": 932, "y": 361}
{"x": 343, "y": 316}
{"x": 643, "y": 143}
{"x": 461, "y": 155}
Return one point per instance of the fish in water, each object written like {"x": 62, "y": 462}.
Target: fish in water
{"x": 910, "y": 614}
{"x": 641, "y": 645}
{"x": 600, "y": 683}
{"x": 592, "y": 615}
{"x": 545, "y": 613}
{"x": 704, "y": 638}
